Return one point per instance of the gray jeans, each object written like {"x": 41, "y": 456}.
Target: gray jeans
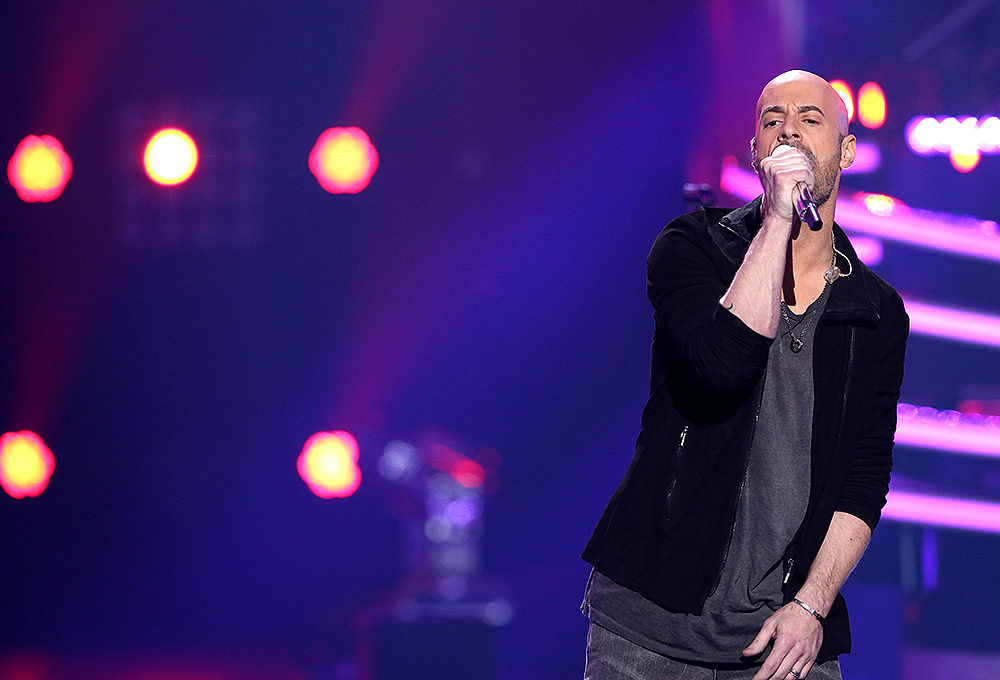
{"x": 612, "y": 657}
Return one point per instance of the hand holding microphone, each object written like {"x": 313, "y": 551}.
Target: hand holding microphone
{"x": 790, "y": 171}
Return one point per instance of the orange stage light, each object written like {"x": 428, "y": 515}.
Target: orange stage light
{"x": 343, "y": 160}
{"x": 871, "y": 105}
{"x": 329, "y": 464}
{"x": 171, "y": 157}
{"x": 39, "y": 169}
{"x": 964, "y": 158}
{"x": 844, "y": 90}
{"x": 25, "y": 464}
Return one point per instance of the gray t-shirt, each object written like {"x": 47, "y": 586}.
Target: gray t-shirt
{"x": 771, "y": 507}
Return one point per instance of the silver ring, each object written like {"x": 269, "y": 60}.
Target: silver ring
{"x": 795, "y": 673}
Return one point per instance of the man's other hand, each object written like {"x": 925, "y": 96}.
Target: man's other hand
{"x": 797, "y": 638}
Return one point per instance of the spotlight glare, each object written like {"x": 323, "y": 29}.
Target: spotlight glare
{"x": 343, "y": 160}
{"x": 329, "y": 464}
{"x": 948, "y": 133}
{"x": 39, "y": 169}
{"x": 171, "y": 157}
{"x": 844, "y": 90}
{"x": 964, "y": 158}
{"x": 988, "y": 136}
{"x": 871, "y": 105}
{"x": 879, "y": 204}
{"x": 921, "y": 135}
{"x": 25, "y": 464}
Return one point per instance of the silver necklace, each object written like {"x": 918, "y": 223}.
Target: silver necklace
{"x": 796, "y": 343}
{"x": 831, "y": 275}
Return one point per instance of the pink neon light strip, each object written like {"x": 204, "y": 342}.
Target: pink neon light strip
{"x": 953, "y": 324}
{"x": 936, "y": 231}
{"x": 942, "y": 511}
{"x": 928, "y": 428}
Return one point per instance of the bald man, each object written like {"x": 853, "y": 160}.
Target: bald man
{"x": 763, "y": 459}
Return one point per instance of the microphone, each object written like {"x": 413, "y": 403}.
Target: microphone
{"x": 806, "y": 209}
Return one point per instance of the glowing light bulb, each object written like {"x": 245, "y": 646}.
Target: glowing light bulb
{"x": 39, "y": 169}
{"x": 343, "y": 160}
{"x": 329, "y": 464}
{"x": 25, "y": 464}
{"x": 171, "y": 157}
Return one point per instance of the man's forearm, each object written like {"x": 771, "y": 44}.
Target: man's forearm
{"x": 845, "y": 543}
{"x": 755, "y": 293}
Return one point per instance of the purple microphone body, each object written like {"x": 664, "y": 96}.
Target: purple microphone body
{"x": 806, "y": 209}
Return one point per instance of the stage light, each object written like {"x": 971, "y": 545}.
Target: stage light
{"x": 942, "y": 511}
{"x": 171, "y": 157}
{"x": 953, "y": 324}
{"x": 871, "y": 106}
{"x": 964, "y": 159}
{"x": 988, "y": 137}
{"x": 39, "y": 169}
{"x": 947, "y": 134}
{"x": 25, "y": 464}
{"x": 867, "y": 158}
{"x": 878, "y": 204}
{"x": 468, "y": 473}
{"x": 343, "y": 160}
{"x": 921, "y": 135}
{"x": 869, "y": 250}
{"x": 844, "y": 90}
{"x": 329, "y": 464}
{"x": 928, "y": 428}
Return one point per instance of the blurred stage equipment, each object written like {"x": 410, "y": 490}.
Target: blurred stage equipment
{"x": 697, "y": 195}
{"x": 440, "y": 622}
{"x": 39, "y": 169}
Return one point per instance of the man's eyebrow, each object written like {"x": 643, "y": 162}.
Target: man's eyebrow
{"x": 780, "y": 109}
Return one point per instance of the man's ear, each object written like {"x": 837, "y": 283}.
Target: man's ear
{"x": 848, "y": 148}
{"x": 753, "y": 153}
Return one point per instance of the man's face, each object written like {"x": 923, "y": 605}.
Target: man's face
{"x": 804, "y": 114}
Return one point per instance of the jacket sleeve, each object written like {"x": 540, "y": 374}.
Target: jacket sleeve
{"x": 867, "y": 482}
{"x": 684, "y": 287}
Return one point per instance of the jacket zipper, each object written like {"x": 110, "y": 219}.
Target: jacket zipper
{"x": 673, "y": 482}
{"x": 743, "y": 481}
{"x": 790, "y": 562}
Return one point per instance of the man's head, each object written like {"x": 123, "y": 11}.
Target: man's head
{"x": 800, "y": 109}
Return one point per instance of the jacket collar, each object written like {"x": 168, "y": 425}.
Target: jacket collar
{"x": 852, "y": 298}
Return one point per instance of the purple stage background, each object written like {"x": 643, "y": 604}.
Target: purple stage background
{"x": 175, "y": 348}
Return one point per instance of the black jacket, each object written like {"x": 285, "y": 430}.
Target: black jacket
{"x": 667, "y": 528}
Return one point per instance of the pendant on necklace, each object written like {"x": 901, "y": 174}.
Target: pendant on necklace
{"x": 832, "y": 274}
{"x": 796, "y": 345}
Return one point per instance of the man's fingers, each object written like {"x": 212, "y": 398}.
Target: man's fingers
{"x": 760, "y": 642}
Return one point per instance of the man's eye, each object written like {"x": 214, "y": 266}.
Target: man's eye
{"x": 770, "y": 123}
{"x": 812, "y": 121}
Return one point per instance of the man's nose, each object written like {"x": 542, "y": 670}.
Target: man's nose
{"x": 789, "y": 130}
